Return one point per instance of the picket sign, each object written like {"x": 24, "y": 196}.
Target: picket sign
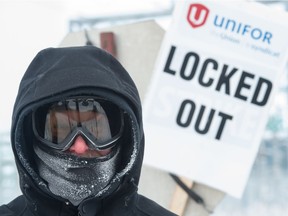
{"x": 212, "y": 88}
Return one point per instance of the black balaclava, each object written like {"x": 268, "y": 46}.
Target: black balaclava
{"x": 75, "y": 178}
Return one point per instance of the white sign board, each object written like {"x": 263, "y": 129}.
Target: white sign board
{"x": 211, "y": 91}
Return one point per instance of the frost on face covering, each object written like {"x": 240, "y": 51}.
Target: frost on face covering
{"x": 75, "y": 178}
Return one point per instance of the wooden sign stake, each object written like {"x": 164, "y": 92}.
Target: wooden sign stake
{"x": 180, "y": 198}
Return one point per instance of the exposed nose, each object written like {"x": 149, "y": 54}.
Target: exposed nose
{"x": 79, "y": 146}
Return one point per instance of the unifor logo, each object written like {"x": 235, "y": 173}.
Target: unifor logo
{"x": 197, "y": 15}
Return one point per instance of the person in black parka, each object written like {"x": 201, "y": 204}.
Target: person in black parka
{"x": 77, "y": 138}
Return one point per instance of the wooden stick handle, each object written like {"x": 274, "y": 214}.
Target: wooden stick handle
{"x": 180, "y": 198}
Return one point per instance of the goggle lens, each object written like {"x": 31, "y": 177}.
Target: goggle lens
{"x": 99, "y": 120}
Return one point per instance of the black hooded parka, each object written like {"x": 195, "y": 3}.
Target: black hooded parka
{"x": 57, "y": 73}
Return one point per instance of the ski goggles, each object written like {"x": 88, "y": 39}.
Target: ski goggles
{"x": 98, "y": 121}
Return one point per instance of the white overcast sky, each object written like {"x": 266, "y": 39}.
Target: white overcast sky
{"x": 27, "y": 26}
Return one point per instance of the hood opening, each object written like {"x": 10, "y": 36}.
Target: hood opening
{"x": 24, "y": 152}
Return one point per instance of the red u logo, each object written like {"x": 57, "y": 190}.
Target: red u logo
{"x": 197, "y": 15}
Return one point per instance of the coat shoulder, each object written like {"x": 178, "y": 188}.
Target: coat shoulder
{"x": 15, "y": 208}
{"x": 151, "y": 208}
